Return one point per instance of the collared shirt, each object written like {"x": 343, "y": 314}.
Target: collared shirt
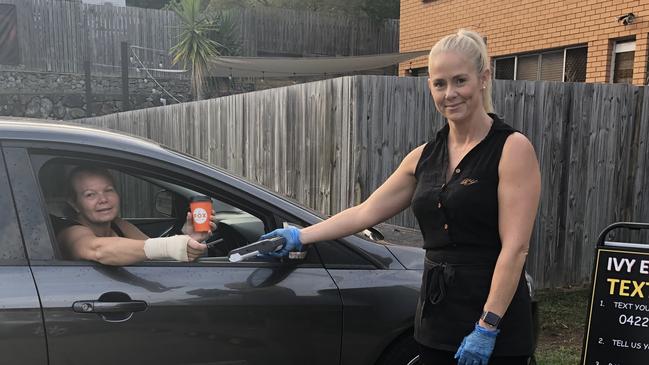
{"x": 463, "y": 210}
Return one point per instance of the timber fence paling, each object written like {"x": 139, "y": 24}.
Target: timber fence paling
{"x": 640, "y": 193}
{"x": 59, "y": 36}
{"x": 299, "y": 32}
{"x": 330, "y": 144}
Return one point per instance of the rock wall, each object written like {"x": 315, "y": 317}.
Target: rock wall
{"x": 62, "y": 96}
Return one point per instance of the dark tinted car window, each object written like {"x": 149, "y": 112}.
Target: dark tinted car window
{"x": 336, "y": 255}
{"x": 11, "y": 248}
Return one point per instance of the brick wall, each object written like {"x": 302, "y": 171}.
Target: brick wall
{"x": 520, "y": 26}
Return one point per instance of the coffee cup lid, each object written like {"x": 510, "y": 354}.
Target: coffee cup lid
{"x": 200, "y": 198}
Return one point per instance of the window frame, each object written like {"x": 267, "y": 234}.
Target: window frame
{"x": 418, "y": 71}
{"x": 143, "y": 177}
{"x": 273, "y": 215}
{"x": 495, "y": 61}
{"x": 620, "y": 46}
{"x": 539, "y": 55}
{"x": 48, "y": 254}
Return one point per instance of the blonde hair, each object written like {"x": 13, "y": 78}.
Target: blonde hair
{"x": 472, "y": 46}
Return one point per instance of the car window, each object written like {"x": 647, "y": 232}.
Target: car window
{"x": 336, "y": 255}
{"x": 137, "y": 196}
{"x": 155, "y": 205}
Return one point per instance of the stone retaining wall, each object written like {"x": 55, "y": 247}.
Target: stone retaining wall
{"x": 62, "y": 96}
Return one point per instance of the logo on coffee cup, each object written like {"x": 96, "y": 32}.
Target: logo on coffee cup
{"x": 200, "y": 215}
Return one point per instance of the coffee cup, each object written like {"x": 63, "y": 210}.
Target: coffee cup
{"x": 201, "y": 208}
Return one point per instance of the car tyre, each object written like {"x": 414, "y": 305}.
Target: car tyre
{"x": 404, "y": 351}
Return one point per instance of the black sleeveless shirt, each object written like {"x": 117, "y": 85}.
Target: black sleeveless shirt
{"x": 459, "y": 221}
{"x": 464, "y": 209}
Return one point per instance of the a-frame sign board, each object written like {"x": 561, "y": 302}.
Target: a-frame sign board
{"x": 617, "y": 327}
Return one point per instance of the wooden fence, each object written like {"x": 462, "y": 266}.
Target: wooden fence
{"x": 273, "y": 31}
{"x": 59, "y": 36}
{"x": 330, "y": 143}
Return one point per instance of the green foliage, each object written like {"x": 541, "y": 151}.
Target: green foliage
{"x": 381, "y": 9}
{"x": 225, "y": 33}
{"x": 203, "y": 35}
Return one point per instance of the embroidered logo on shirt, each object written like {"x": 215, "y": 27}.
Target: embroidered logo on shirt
{"x": 467, "y": 182}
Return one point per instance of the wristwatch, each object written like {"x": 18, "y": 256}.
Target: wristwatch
{"x": 490, "y": 318}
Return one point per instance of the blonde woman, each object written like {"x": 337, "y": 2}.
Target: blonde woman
{"x": 474, "y": 189}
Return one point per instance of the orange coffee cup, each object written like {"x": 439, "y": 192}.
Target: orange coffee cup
{"x": 201, "y": 208}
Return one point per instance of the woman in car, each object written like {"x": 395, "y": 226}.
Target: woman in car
{"x": 474, "y": 188}
{"x": 96, "y": 232}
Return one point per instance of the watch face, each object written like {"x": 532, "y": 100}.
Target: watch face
{"x": 491, "y": 318}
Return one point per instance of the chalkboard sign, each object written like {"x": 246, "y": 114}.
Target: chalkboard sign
{"x": 617, "y": 329}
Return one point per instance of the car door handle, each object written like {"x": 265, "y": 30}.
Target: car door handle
{"x": 95, "y": 306}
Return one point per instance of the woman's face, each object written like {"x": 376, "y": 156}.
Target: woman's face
{"x": 96, "y": 199}
{"x": 456, "y": 86}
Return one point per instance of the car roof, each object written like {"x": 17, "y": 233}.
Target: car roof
{"x": 28, "y": 129}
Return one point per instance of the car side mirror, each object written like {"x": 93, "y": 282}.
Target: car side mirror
{"x": 373, "y": 234}
{"x": 164, "y": 202}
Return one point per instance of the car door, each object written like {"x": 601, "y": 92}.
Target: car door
{"x": 22, "y": 335}
{"x": 174, "y": 313}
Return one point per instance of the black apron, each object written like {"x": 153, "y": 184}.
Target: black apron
{"x": 459, "y": 223}
{"x": 454, "y": 289}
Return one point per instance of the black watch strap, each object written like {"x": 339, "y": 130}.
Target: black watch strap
{"x": 490, "y": 318}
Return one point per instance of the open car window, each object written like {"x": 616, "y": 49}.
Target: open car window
{"x": 155, "y": 205}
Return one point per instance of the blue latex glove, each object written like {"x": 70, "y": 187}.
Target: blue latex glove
{"x": 292, "y": 237}
{"x": 476, "y": 348}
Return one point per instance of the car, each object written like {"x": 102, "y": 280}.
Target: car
{"x": 348, "y": 301}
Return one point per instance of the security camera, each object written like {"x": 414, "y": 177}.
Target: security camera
{"x": 626, "y": 19}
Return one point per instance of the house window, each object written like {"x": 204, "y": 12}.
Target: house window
{"x": 622, "y": 63}
{"x": 8, "y": 35}
{"x": 551, "y": 66}
{"x": 419, "y": 71}
{"x": 575, "y": 70}
{"x": 505, "y": 68}
{"x": 567, "y": 64}
{"x": 528, "y": 68}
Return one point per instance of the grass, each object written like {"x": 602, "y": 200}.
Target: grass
{"x": 562, "y": 314}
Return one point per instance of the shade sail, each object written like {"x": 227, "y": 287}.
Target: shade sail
{"x": 303, "y": 66}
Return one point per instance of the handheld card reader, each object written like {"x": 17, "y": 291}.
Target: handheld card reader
{"x": 256, "y": 248}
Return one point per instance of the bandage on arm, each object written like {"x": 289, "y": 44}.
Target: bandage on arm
{"x": 174, "y": 247}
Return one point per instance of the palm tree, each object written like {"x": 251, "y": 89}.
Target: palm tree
{"x": 195, "y": 46}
